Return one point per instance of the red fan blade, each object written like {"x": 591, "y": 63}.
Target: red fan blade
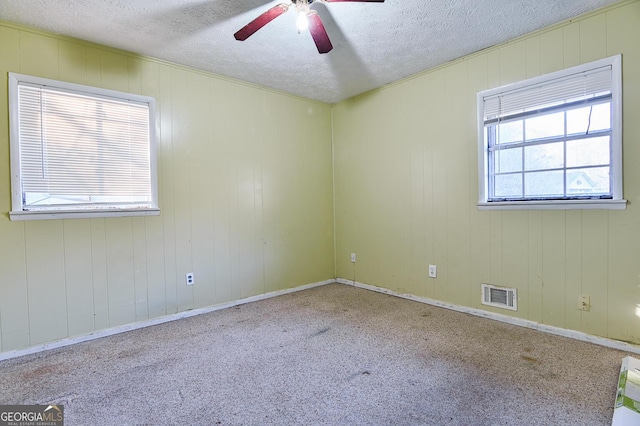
{"x": 262, "y": 20}
{"x": 319, "y": 34}
{"x": 361, "y": 1}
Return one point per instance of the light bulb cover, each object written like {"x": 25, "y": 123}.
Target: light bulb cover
{"x": 302, "y": 22}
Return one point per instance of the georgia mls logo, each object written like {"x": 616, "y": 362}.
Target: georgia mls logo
{"x": 31, "y": 415}
{"x": 54, "y": 407}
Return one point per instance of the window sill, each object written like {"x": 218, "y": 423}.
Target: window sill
{"x": 80, "y": 214}
{"x": 555, "y": 205}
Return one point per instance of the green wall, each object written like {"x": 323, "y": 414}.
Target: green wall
{"x": 245, "y": 191}
{"x": 406, "y": 190}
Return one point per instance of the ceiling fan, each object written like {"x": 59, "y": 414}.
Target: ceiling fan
{"x": 307, "y": 19}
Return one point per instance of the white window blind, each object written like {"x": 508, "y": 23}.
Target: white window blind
{"x": 545, "y": 94}
{"x": 81, "y": 151}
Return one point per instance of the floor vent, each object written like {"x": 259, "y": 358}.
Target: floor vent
{"x": 500, "y": 297}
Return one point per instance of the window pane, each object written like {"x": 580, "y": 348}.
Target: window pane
{"x": 507, "y": 160}
{"x": 510, "y": 132}
{"x": 588, "y": 181}
{"x": 508, "y": 186}
{"x": 545, "y": 126}
{"x": 589, "y": 119}
{"x": 578, "y": 120}
{"x": 601, "y": 117}
{"x": 588, "y": 152}
{"x": 546, "y": 156}
{"x": 544, "y": 184}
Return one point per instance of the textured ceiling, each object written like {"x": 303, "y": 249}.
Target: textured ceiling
{"x": 374, "y": 43}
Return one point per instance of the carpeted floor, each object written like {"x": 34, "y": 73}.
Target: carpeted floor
{"x": 333, "y": 355}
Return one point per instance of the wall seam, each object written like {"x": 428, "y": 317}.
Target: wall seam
{"x": 333, "y": 194}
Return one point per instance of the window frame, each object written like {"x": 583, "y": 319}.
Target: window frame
{"x": 616, "y": 202}
{"x": 18, "y": 211}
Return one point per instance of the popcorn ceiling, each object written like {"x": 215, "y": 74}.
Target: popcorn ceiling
{"x": 374, "y": 43}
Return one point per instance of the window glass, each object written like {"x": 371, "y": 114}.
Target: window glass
{"x": 510, "y": 132}
{"x": 509, "y": 186}
{"x": 508, "y": 160}
{"x": 544, "y": 184}
{"x": 544, "y": 126}
{"x": 588, "y": 181}
{"x": 545, "y": 156}
{"x": 588, "y": 152}
{"x": 589, "y": 119}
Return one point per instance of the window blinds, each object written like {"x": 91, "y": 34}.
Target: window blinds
{"x": 80, "y": 149}
{"x": 566, "y": 89}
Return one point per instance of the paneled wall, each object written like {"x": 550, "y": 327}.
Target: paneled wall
{"x": 245, "y": 191}
{"x": 406, "y": 190}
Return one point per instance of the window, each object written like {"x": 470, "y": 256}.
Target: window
{"x": 553, "y": 141}
{"x": 78, "y": 151}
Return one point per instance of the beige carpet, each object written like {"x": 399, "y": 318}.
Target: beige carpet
{"x": 333, "y": 355}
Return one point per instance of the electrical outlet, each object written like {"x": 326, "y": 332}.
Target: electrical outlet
{"x": 189, "y": 278}
{"x": 584, "y": 303}
{"x": 353, "y": 258}
{"x": 433, "y": 271}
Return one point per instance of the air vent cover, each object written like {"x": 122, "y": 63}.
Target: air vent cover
{"x": 500, "y": 297}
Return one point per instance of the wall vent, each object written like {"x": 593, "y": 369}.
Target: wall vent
{"x": 500, "y": 297}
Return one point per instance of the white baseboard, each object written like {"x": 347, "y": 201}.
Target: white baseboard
{"x": 602, "y": 341}
{"x": 154, "y": 321}
{"x": 578, "y": 335}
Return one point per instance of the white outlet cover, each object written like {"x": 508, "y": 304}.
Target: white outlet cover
{"x": 353, "y": 258}
{"x": 433, "y": 271}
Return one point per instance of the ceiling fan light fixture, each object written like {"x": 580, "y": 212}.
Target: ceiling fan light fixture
{"x": 307, "y": 19}
{"x": 302, "y": 22}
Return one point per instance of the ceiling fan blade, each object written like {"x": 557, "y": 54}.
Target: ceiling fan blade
{"x": 319, "y": 33}
{"x": 262, "y": 20}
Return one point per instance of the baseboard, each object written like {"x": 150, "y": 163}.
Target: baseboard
{"x": 602, "y": 341}
{"x": 154, "y": 321}
{"x": 578, "y": 335}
